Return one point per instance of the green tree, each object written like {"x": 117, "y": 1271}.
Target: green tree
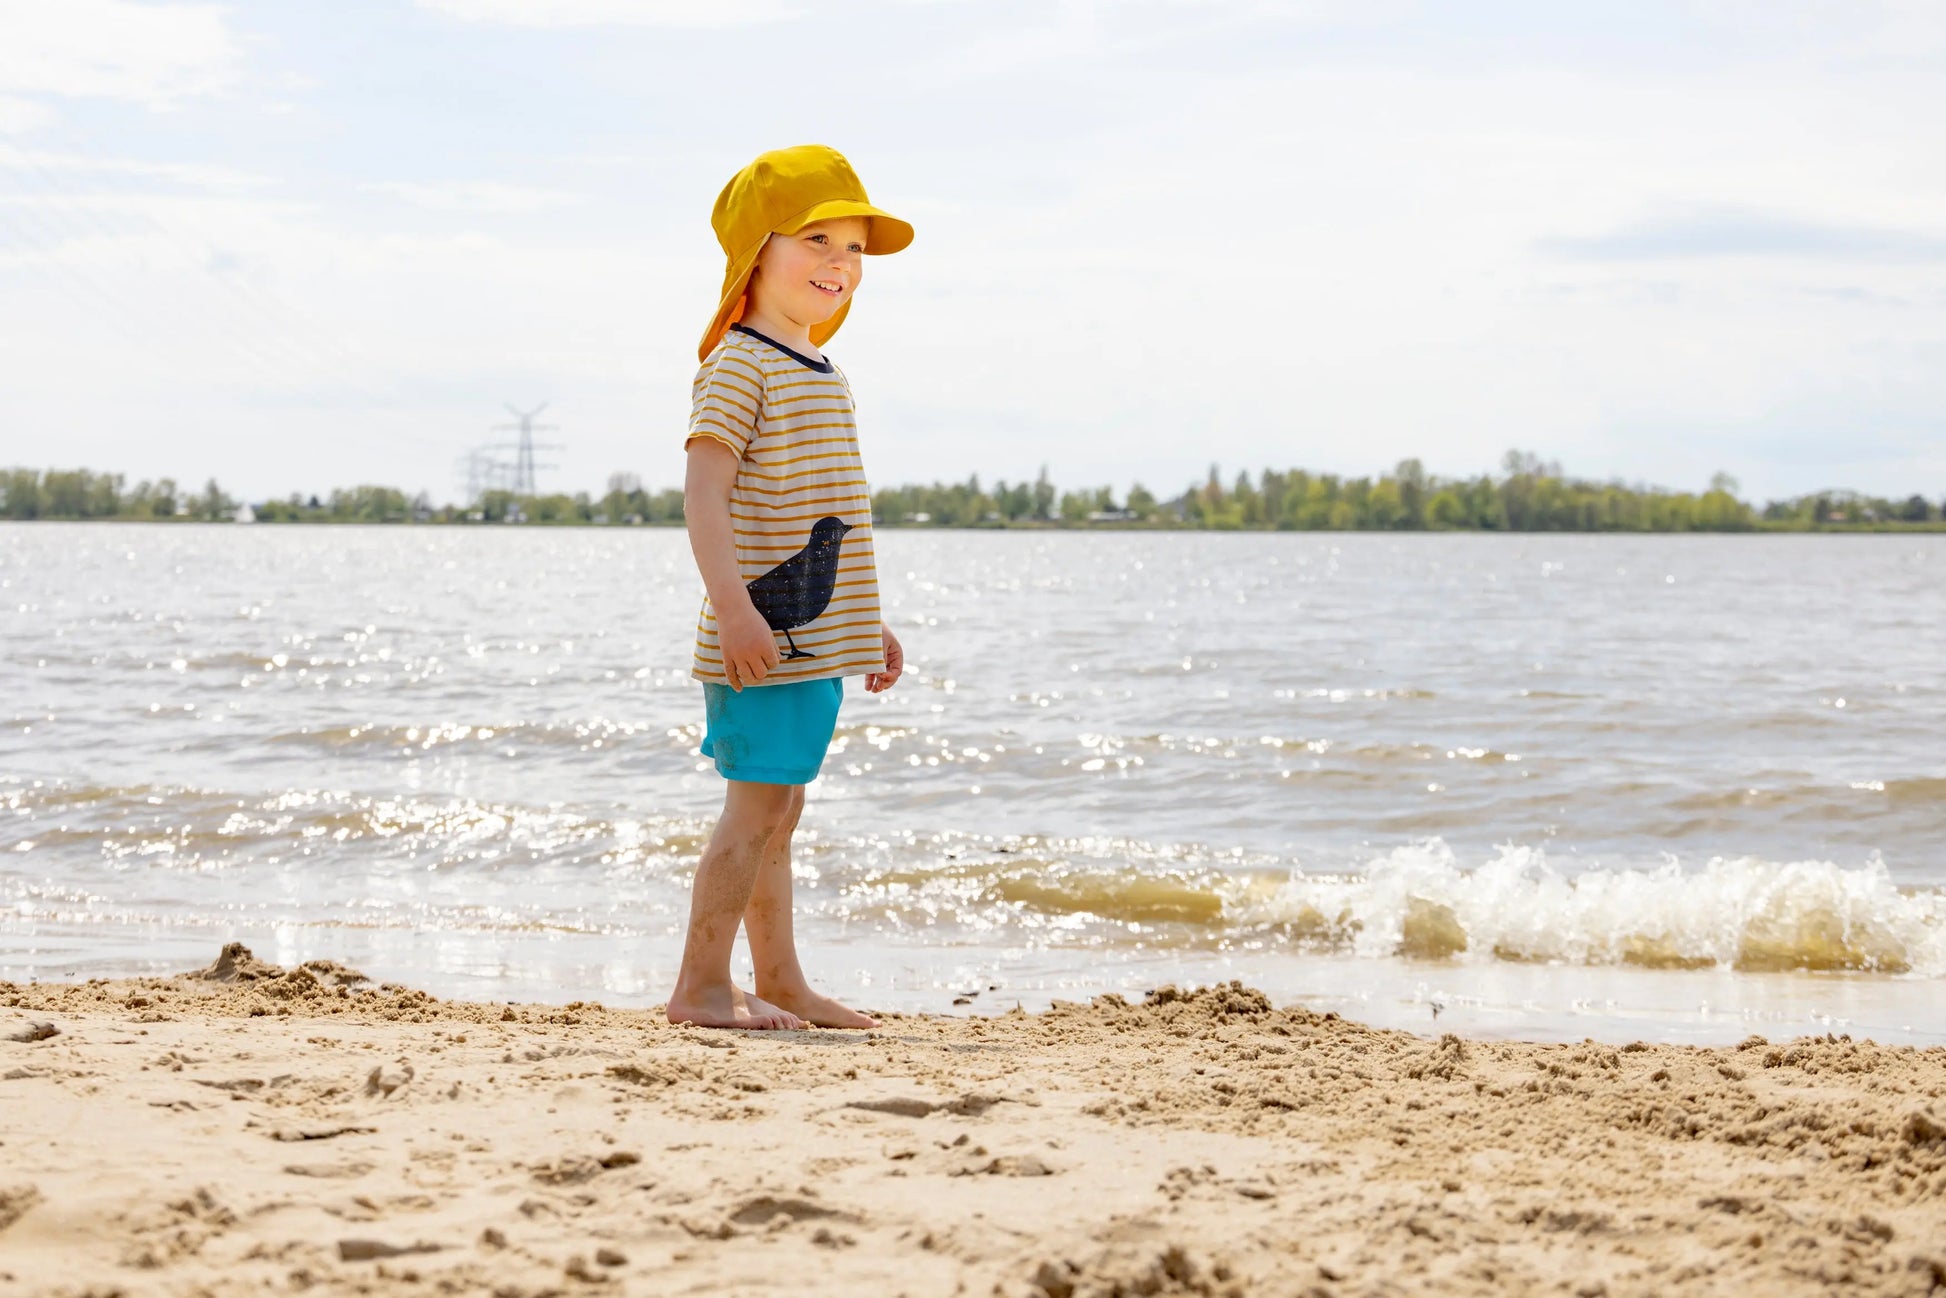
{"x": 167, "y": 500}
{"x": 1248, "y": 502}
{"x": 20, "y": 493}
{"x": 619, "y": 504}
{"x": 1385, "y": 506}
{"x": 1273, "y": 494}
{"x": 1413, "y": 488}
{"x": 1044, "y": 496}
{"x": 1446, "y": 510}
{"x": 214, "y": 505}
{"x": 1215, "y": 501}
{"x": 1314, "y": 508}
{"x": 105, "y": 496}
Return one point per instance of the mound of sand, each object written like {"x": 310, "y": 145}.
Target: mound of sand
{"x": 250, "y": 1128}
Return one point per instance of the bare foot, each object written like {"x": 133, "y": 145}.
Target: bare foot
{"x": 727, "y": 1006}
{"x": 820, "y": 1010}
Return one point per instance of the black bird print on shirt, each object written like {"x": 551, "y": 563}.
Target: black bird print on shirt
{"x": 796, "y": 590}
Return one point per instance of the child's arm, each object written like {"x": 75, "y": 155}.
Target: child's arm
{"x": 749, "y": 649}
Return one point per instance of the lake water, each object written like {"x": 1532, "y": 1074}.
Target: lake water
{"x": 1681, "y": 788}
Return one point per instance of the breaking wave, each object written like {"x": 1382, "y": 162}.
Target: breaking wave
{"x": 1420, "y": 902}
{"x": 1744, "y": 913}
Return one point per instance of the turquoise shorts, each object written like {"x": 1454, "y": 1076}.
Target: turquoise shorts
{"x": 771, "y": 734}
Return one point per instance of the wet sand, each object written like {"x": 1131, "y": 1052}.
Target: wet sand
{"x": 301, "y": 1131}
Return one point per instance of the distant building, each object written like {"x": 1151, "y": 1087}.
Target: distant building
{"x": 244, "y": 514}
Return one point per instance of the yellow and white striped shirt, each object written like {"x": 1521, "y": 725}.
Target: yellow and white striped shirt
{"x": 799, "y": 505}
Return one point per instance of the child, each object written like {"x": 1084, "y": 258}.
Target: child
{"x": 780, "y": 522}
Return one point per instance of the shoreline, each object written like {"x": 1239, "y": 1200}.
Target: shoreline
{"x": 1500, "y": 1001}
{"x": 302, "y": 1130}
{"x": 1763, "y": 527}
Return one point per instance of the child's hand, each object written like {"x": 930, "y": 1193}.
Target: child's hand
{"x": 894, "y": 664}
{"x": 749, "y": 648}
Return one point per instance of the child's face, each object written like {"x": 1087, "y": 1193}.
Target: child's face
{"x": 807, "y": 276}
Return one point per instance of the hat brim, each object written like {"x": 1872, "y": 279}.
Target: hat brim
{"x": 888, "y": 235}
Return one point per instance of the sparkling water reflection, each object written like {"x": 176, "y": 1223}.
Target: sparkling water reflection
{"x": 468, "y": 757}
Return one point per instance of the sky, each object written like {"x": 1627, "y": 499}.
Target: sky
{"x": 296, "y": 247}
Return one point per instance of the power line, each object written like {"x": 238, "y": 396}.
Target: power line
{"x": 508, "y": 466}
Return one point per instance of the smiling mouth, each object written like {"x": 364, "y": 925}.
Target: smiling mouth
{"x": 827, "y": 288}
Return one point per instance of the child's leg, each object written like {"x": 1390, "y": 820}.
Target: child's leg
{"x": 773, "y": 945}
{"x": 752, "y": 816}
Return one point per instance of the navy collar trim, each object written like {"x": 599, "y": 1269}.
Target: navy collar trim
{"x": 822, "y": 367}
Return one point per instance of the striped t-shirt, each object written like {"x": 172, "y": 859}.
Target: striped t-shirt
{"x": 799, "y": 505}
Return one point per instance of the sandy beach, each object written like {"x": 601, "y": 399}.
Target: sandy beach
{"x": 255, "y": 1129}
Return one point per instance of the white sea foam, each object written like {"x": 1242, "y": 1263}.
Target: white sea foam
{"x": 1743, "y": 913}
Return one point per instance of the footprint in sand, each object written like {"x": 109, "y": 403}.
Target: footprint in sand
{"x": 323, "y": 1132}
{"x": 655, "y": 1073}
{"x": 384, "y": 1081}
{"x": 331, "y": 1171}
{"x": 765, "y": 1207}
{"x": 15, "y": 1200}
{"x": 371, "y": 1250}
{"x": 773, "y": 1213}
{"x": 577, "y": 1168}
{"x": 911, "y": 1106}
{"x": 1006, "y": 1165}
{"x": 234, "y": 1085}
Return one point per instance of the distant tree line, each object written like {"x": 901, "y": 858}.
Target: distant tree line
{"x": 80, "y": 493}
{"x": 1528, "y": 495}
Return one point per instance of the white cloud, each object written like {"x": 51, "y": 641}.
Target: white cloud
{"x": 185, "y": 174}
{"x": 154, "y": 54}
{"x": 474, "y": 196}
{"x": 1732, "y": 231}
{"x": 598, "y": 13}
{"x": 19, "y": 116}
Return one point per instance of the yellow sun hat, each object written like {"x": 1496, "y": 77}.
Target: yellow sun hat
{"x": 781, "y": 192}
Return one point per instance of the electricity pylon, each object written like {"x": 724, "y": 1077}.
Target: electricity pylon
{"x": 524, "y": 463}
{"x": 480, "y": 473}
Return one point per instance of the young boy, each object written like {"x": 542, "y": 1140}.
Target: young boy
{"x": 780, "y": 522}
